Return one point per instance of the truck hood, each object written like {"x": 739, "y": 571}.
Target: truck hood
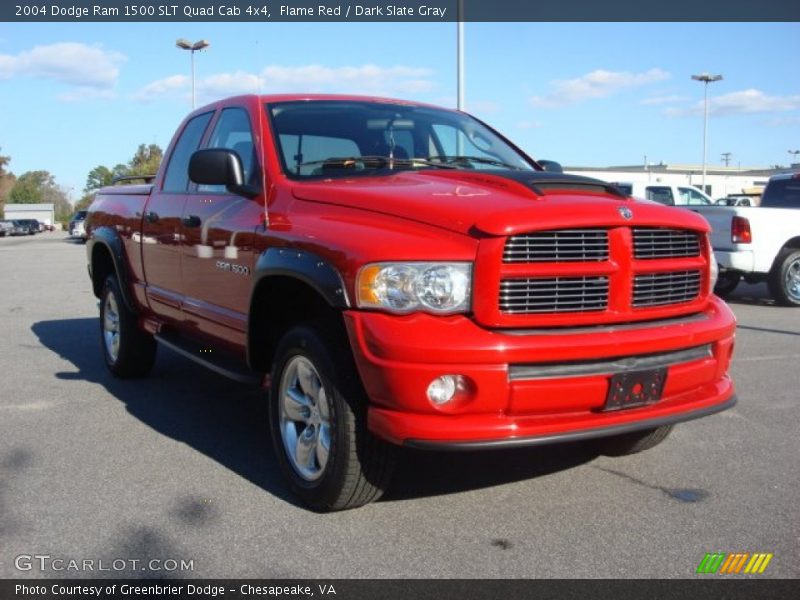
{"x": 505, "y": 203}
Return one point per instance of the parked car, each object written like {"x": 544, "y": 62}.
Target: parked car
{"x": 77, "y": 228}
{"x": 670, "y": 195}
{"x": 31, "y": 225}
{"x": 760, "y": 243}
{"x": 399, "y": 274}
{"x": 18, "y": 227}
{"x": 6, "y": 227}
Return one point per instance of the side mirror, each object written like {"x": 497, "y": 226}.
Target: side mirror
{"x": 220, "y": 166}
{"x": 551, "y": 166}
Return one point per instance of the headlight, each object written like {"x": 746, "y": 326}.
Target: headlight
{"x": 440, "y": 288}
{"x": 713, "y": 270}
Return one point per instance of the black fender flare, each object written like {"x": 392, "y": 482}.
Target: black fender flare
{"x": 109, "y": 238}
{"x": 309, "y": 268}
{"x": 300, "y": 265}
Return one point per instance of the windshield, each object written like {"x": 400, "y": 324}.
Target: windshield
{"x": 330, "y": 138}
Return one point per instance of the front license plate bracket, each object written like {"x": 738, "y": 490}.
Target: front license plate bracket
{"x": 635, "y": 388}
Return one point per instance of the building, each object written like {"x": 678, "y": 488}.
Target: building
{"x": 720, "y": 181}
{"x": 44, "y": 213}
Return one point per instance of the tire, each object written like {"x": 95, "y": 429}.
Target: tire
{"x": 316, "y": 397}
{"x": 631, "y": 443}
{"x": 727, "y": 282}
{"x": 128, "y": 351}
{"x": 784, "y": 279}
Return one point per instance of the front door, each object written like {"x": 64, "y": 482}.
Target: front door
{"x": 161, "y": 235}
{"x": 219, "y": 235}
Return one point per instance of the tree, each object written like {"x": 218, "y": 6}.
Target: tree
{"x": 84, "y": 202}
{"x": 7, "y": 181}
{"x": 34, "y": 187}
{"x": 98, "y": 177}
{"x": 146, "y": 160}
{"x": 31, "y": 187}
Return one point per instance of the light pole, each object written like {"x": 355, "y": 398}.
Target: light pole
{"x": 706, "y": 79}
{"x": 795, "y": 153}
{"x": 192, "y": 48}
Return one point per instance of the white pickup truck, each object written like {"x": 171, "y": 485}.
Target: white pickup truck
{"x": 665, "y": 193}
{"x": 760, "y": 243}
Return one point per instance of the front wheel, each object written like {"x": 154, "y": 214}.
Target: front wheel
{"x": 784, "y": 279}
{"x": 633, "y": 442}
{"x": 128, "y": 351}
{"x": 317, "y": 415}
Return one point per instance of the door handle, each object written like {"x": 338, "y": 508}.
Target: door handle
{"x": 191, "y": 221}
{"x": 151, "y": 216}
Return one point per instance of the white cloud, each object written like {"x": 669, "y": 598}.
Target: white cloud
{"x": 366, "y": 79}
{"x": 93, "y": 70}
{"x": 743, "y": 102}
{"x": 162, "y": 87}
{"x": 597, "y": 84}
{"x": 664, "y": 99}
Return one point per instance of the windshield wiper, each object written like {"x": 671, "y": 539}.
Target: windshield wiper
{"x": 477, "y": 159}
{"x": 372, "y": 161}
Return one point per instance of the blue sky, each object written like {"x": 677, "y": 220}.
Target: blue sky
{"x": 76, "y": 95}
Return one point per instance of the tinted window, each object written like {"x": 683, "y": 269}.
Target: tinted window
{"x": 659, "y": 193}
{"x": 176, "y": 178}
{"x": 232, "y": 131}
{"x": 782, "y": 193}
{"x": 333, "y": 135}
{"x": 312, "y": 148}
{"x": 625, "y": 188}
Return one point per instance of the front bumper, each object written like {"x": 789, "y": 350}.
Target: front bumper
{"x": 398, "y": 357}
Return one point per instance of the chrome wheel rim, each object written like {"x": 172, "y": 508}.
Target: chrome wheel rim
{"x": 304, "y": 418}
{"x": 793, "y": 280}
{"x": 111, "y": 327}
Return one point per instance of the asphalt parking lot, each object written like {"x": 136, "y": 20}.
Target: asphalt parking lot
{"x": 179, "y": 467}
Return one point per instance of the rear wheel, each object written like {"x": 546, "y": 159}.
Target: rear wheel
{"x": 633, "y": 442}
{"x": 318, "y": 420}
{"x": 727, "y": 282}
{"x": 128, "y": 351}
{"x": 784, "y": 279}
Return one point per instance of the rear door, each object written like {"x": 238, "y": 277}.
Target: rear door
{"x": 161, "y": 224}
{"x": 219, "y": 239}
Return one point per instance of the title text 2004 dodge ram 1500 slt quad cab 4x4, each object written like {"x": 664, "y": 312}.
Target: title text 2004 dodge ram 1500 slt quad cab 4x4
{"x": 400, "y": 274}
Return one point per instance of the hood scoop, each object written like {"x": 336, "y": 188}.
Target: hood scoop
{"x": 541, "y": 183}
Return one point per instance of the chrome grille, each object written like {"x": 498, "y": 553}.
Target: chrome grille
{"x": 554, "y": 295}
{"x": 664, "y": 243}
{"x": 564, "y": 245}
{"x": 656, "y": 289}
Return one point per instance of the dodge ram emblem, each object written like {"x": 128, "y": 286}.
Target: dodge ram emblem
{"x": 625, "y": 213}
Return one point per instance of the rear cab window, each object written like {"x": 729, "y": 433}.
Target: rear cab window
{"x": 782, "y": 193}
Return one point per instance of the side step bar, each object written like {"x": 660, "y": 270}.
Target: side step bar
{"x": 219, "y": 362}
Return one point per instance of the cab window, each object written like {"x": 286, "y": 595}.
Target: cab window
{"x": 660, "y": 193}
{"x": 176, "y": 178}
{"x": 692, "y": 196}
{"x": 232, "y": 131}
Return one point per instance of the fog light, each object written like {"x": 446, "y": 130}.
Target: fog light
{"x": 444, "y": 388}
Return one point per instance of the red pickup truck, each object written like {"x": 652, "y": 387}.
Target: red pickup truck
{"x": 400, "y": 274}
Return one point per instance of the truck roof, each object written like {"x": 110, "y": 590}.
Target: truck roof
{"x": 272, "y": 98}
